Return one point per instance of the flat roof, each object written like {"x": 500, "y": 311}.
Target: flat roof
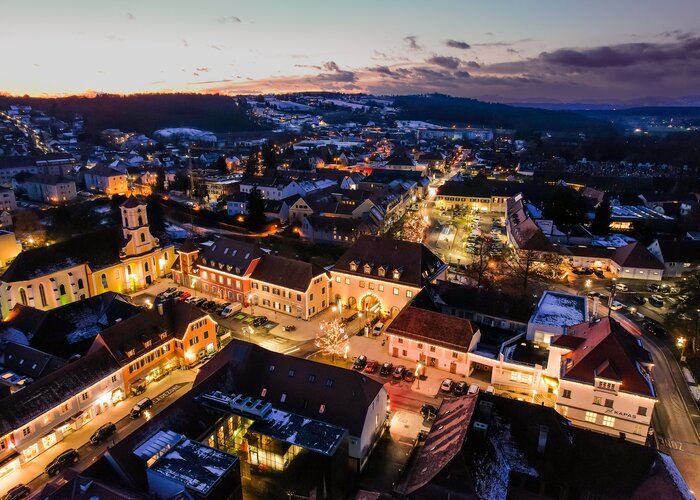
{"x": 560, "y": 309}
{"x": 192, "y": 464}
{"x": 636, "y": 212}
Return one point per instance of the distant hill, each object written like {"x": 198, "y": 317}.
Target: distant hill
{"x": 449, "y": 110}
{"x": 147, "y": 112}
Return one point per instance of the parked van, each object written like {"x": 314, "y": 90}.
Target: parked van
{"x": 232, "y": 309}
{"x": 377, "y": 330}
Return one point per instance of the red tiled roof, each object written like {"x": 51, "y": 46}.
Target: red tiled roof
{"x": 607, "y": 351}
{"x": 636, "y": 255}
{"x": 432, "y": 327}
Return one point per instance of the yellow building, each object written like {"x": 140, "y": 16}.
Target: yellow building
{"x": 9, "y": 247}
{"x": 114, "y": 259}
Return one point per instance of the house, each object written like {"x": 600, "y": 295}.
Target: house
{"x": 605, "y": 383}
{"x": 432, "y": 339}
{"x": 336, "y": 230}
{"x": 290, "y": 286}
{"x": 380, "y": 275}
{"x": 677, "y": 256}
{"x": 8, "y": 203}
{"x": 48, "y": 188}
{"x": 112, "y": 259}
{"x": 237, "y": 204}
{"x": 634, "y": 261}
{"x": 483, "y": 196}
{"x": 106, "y": 180}
{"x": 6, "y": 221}
{"x": 53, "y": 164}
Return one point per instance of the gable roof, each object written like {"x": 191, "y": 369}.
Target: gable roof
{"x": 228, "y": 255}
{"x": 242, "y": 367}
{"x": 417, "y": 265}
{"x": 433, "y": 327}
{"x": 636, "y": 255}
{"x": 679, "y": 250}
{"x": 50, "y": 391}
{"x": 285, "y": 272}
{"x": 606, "y": 351}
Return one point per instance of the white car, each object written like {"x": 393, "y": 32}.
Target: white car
{"x": 232, "y": 309}
{"x": 446, "y": 385}
{"x": 621, "y": 287}
{"x": 616, "y": 306}
{"x": 377, "y": 329}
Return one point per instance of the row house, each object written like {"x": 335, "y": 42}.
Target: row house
{"x": 106, "y": 180}
{"x": 381, "y": 275}
{"x": 121, "y": 361}
{"x": 52, "y": 189}
{"x": 241, "y": 272}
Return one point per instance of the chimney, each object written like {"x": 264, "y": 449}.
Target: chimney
{"x": 542, "y": 440}
{"x": 160, "y": 308}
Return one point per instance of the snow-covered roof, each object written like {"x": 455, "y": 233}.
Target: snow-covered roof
{"x": 560, "y": 309}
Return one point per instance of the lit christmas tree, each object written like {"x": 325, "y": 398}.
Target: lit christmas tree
{"x": 332, "y": 339}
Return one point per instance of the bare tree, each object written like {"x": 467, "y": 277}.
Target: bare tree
{"x": 332, "y": 339}
{"x": 522, "y": 262}
{"x": 483, "y": 253}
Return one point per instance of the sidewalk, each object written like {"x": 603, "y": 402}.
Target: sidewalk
{"x": 31, "y": 470}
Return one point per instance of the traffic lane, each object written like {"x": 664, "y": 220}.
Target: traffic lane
{"x": 90, "y": 453}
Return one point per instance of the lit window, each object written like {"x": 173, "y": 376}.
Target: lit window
{"x": 322, "y": 408}
{"x": 591, "y": 416}
{"x": 608, "y": 421}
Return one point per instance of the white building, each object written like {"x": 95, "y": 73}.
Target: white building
{"x": 554, "y": 313}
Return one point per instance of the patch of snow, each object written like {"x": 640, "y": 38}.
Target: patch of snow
{"x": 676, "y": 476}
{"x": 174, "y": 455}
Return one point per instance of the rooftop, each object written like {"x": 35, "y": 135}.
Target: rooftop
{"x": 195, "y": 466}
{"x": 560, "y": 309}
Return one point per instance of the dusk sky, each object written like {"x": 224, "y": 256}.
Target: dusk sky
{"x": 595, "y": 50}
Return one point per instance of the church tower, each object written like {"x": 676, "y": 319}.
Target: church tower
{"x": 138, "y": 239}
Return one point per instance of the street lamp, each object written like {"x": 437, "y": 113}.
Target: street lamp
{"x": 418, "y": 370}
{"x": 250, "y": 301}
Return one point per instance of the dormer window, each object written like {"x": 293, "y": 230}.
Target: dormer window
{"x": 381, "y": 272}
{"x": 396, "y": 274}
{"x": 130, "y": 353}
{"x": 147, "y": 343}
{"x": 368, "y": 269}
{"x": 353, "y": 266}
{"x": 163, "y": 335}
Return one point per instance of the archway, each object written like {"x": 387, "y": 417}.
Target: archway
{"x": 352, "y": 303}
{"x": 371, "y": 303}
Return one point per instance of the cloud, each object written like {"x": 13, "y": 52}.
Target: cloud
{"x": 473, "y": 64}
{"x": 130, "y": 16}
{"x": 215, "y": 47}
{"x": 503, "y": 43}
{"x": 333, "y": 74}
{"x": 185, "y": 43}
{"x": 456, "y": 44}
{"x": 412, "y": 42}
{"x": 202, "y": 70}
{"x": 445, "y": 61}
{"x": 228, "y": 19}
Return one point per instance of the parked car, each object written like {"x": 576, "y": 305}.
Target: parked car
{"x": 199, "y": 301}
{"x": 428, "y": 411}
{"x": 473, "y": 389}
{"x": 360, "y": 362}
{"x": 594, "y": 294}
{"x": 184, "y": 295}
{"x": 62, "y": 462}
{"x": 399, "y": 371}
{"x": 446, "y": 385}
{"x": 409, "y": 375}
{"x": 639, "y": 300}
{"x": 220, "y": 307}
{"x": 490, "y": 390}
{"x": 656, "y": 300}
{"x": 653, "y": 287}
{"x": 231, "y": 309}
{"x": 386, "y": 369}
{"x": 664, "y": 289}
{"x": 599, "y": 273}
{"x": 460, "y": 388}
{"x": 103, "y": 432}
{"x": 16, "y": 492}
{"x": 621, "y": 287}
{"x": 377, "y": 330}
{"x": 371, "y": 366}
{"x": 140, "y": 407}
{"x": 260, "y": 320}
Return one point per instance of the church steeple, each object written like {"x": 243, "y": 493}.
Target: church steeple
{"x": 137, "y": 235}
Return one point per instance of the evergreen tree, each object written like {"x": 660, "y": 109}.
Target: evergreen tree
{"x": 566, "y": 207}
{"x": 160, "y": 181}
{"x": 251, "y": 164}
{"x": 269, "y": 157}
{"x": 221, "y": 164}
{"x": 601, "y": 222}
{"x": 256, "y": 209}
